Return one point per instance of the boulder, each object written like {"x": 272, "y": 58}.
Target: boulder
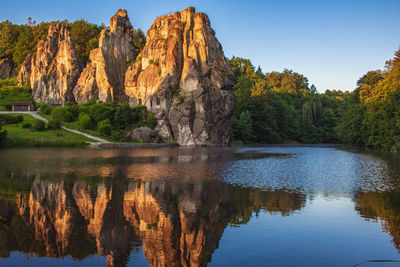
{"x": 143, "y": 134}
{"x": 183, "y": 77}
{"x": 104, "y": 76}
{"x": 53, "y": 70}
{"x": 7, "y": 69}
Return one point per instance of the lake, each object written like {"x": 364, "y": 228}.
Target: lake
{"x": 250, "y": 206}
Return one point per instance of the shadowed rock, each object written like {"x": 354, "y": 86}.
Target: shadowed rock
{"x": 7, "y": 68}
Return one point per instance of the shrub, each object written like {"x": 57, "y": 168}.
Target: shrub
{"x": 54, "y": 124}
{"x": 8, "y": 107}
{"x": 57, "y": 115}
{"x": 10, "y": 119}
{"x": 102, "y": 111}
{"x": 104, "y": 127}
{"x": 67, "y": 115}
{"x": 3, "y": 136}
{"x": 26, "y": 125}
{"x": 117, "y": 135}
{"x": 38, "y": 125}
{"x": 85, "y": 121}
{"x": 74, "y": 110}
{"x": 46, "y": 109}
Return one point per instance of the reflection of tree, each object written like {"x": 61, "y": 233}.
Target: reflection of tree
{"x": 252, "y": 200}
{"x": 384, "y": 206}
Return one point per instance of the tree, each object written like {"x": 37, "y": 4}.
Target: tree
{"x": 24, "y": 46}
{"x": 8, "y": 37}
{"x": 139, "y": 40}
{"x": 86, "y": 37}
{"x": 104, "y": 127}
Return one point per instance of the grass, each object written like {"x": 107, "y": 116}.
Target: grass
{"x": 20, "y": 137}
{"x": 10, "y": 92}
{"x": 74, "y": 126}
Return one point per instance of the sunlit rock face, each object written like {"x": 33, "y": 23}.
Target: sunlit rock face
{"x": 104, "y": 75}
{"x": 54, "y": 69}
{"x": 183, "y": 77}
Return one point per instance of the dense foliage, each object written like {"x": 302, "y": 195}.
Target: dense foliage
{"x": 280, "y": 107}
{"x": 106, "y": 119}
{"x": 17, "y": 41}
{"x": 372, "y": 116}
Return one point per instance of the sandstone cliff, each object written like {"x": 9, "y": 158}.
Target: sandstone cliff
{"x": 183, "y": 77}
{"x": 53, "y": 70}
{"x": 104, "y": 76}
{"x": 7, "y": 69}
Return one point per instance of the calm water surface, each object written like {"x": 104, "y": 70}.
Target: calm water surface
{"x": 253, "y": 206}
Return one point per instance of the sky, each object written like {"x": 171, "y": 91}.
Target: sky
{"x": 332, "y": 43}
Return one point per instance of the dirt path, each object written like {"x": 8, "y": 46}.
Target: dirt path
{"x": 37, "y": 116}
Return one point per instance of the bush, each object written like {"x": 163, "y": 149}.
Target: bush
{"x": 3, "y": 136}
{"x": 57, "y": 115}
{"x": 46, "y": 109}
{"x": 38, "y": 125}
{"x": 8, "y": 107}
{"x": 10, "y": 119}
{"x": 67, "y": 115}
{"x": 104, "y": 127}
{"x": 85, "y": 121}
{"x": 26, "y": 125}
{"x": 54, "y": 124}
{"x": 102, "y": 111}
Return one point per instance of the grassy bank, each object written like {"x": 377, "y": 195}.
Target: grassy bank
{"x": 21, "y": 137}
{"x": 10, "y": 92}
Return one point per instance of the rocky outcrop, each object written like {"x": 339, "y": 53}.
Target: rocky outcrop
{"x": 7, "y": 69}
{"x": 54, "y": 69}
{"x": 183, "y": 77}
{"x": 143, "y": 134}
{"x": 104, "y": 76}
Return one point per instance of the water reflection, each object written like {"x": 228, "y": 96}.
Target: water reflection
{"x": 174, "y": 204}
{"x": 176, "y": 215}
{"x": 383, "y": 206}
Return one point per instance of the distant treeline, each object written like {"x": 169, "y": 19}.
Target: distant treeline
{"x": 17, "y": 41}
{"x": 281, "y": 107}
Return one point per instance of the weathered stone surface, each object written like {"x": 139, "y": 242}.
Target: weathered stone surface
{"x": 54, "y": 69}
{"x": 143, "y": 134}
{"x": 7, "y": 69}
{"x": 183, "y": 77}
{"x": 104, "y": 76}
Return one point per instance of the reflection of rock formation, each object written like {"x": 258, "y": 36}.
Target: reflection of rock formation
{"x": 178, "y": 222}
{"x": 52, "y": 211}
{"x": 384, "y": 206}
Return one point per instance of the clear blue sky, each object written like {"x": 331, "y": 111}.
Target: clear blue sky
{"x": 333, "y": 43}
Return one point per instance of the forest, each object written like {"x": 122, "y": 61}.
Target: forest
{"x": 280, "y": 107}
{"x": 274, "y": 107}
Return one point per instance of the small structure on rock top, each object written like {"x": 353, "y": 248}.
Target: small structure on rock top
{"x": 23, "y": 106}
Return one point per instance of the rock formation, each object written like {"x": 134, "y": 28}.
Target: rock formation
{"x": 143, "y": 134}
{"x": 183, "y": 77}
{"x": 7, "y": 68}
{"x": 104, "y": 76}
{"x": 54, "y": 69}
